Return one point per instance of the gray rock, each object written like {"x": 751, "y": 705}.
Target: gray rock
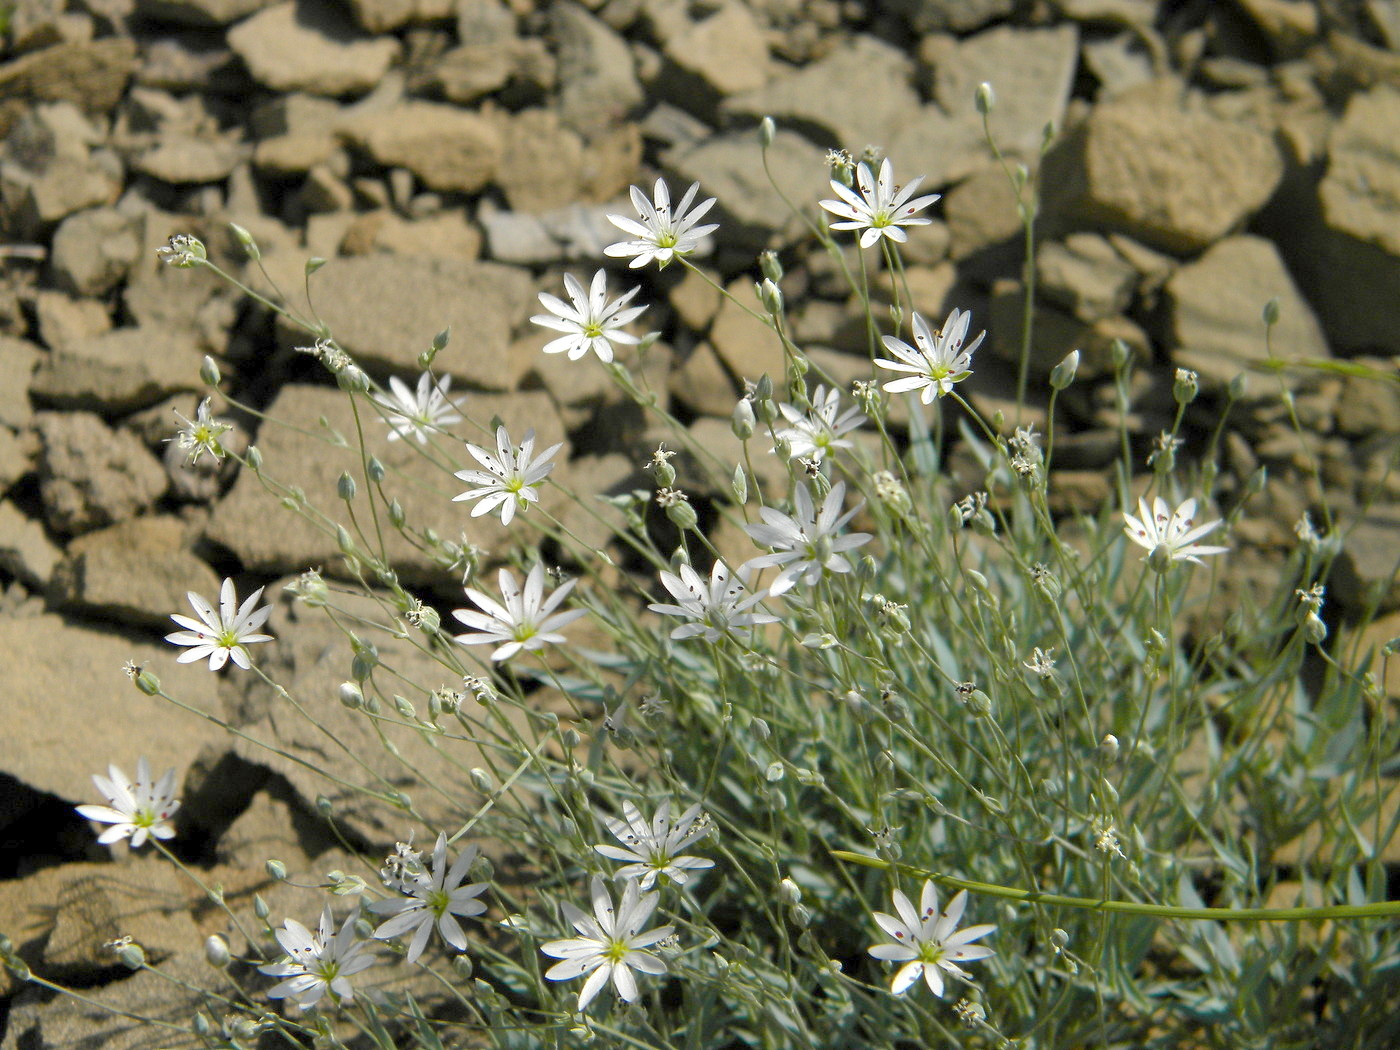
{"x": 240, "y": 520}
{"x": 1364, "y": 574}
{"x": 447, "y": 148}
{"x": 93, "y": 250}
{"x": 91, "y": 475}
{"x": 1084, "y": 274}
{"x": 941, "y": 146}
{"x": 18, "y": 359}
{"x": 90, "y": 74}
{"x": 191, "y": 159}
{"x": 751, "y": 212}
{"x": 1215, "y": 305}
{"x": 1173, "y": 177}
{"x": 861, "y": 94}
{"x": 309, "y": 46}
{"x": 25, "y": 550}
{"x": 48, "y": 169}
{"x": 722, "y": 54}
{"x": 382, "y": 16}
{"x": 135, "y": 572}
{"x": 981, "y": 214}
{"x": 598, "y": 83}
{"x": 545, "y": 161}
{"x": 119, "y": 371}
{"x": 201, "y": 13}
{"x": 575, "y": 232}
{"x": 1370, "y": 404}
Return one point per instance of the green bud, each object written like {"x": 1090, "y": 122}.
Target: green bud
{"x": 1314, "y": 630}
{"x": 366, "y": 659}
{"x": 276, "y": 870}
{"x": 1239, "y": 386}
{"x": 800, "y": 915}
{"x": 985, "y": 98}
{"x": 1271, "y": 312}
{"x": 254, "y": 458}
{"x": 429, "y": 620}
{"x": 766, "y": 131}
{"x": 209, "y": 372}
{"x": 1108, "y": 749}
{"x": 396, "y": 514}
{"x": 771, "y": 296}
{"x": 763, "y": 389}
{"x": 1256, "y": 482}
{"x": 375, "y": 469}
{"x": 1122, "y": 354}
{"x": 131, "y": 955}
{"x": 148, "y": 683}
{"x": 352, "y": 379}
{"x": 313, "y": 264}
{"x": 324, "y": 806}
{"x": 742, "y": 420}
{"x": 761, "y": 729}
{"x": 769, "y": 266}
{"x": 740, "y": 485}
{"x": 1185, "y": 386}
{"x": 789, "y": 892}
{"x": 682, "y": 515}
{"x": 351, "y": 696}
{"x": 260, "y": 908}
{"x": 343, "y": 540}
{"x": 462, "y": 966}
{"x": 404, "y": 707}
{"x": 216, "y": 952}
{"x": 203, "y": 1027}
{"x": 482, "y": 780}
{"x": 1062, "y": 375}
{"x": 979, "y": 703}
{"x": 345, "y": 487}
{"x": 246, "y": 239}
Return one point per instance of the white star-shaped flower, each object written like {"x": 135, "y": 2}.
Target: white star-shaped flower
{"x": 417, "y": 413}
{"x": 661, "y": 234}
{"x": 201, "y": 434}
{"x": 927, "y": 942}
{"x": 935, "y": 362}
{"x": 434, "y": 899}
{"x": 654, "y": 850}
{"x": 221, "y": 634}
{"x": 806, "y": 541}
{"x": 821, "y": 428}
{"x": 317, "y": 963}
{"x": 715, "y": 609}
{"x": 588, "y": 320}
{"x": 135, "y": 810}
{"x": 610, "y": 943}
{"x": 881, "y": 209}
{"x": 521, "y": 620}
{"x": 1172, "y": 531}
{"x": 511, "y": 475}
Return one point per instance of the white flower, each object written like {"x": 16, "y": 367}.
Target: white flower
{"x": 654, "y": 850}
{"x": 715, "y": 609}
{"x": 589, "y": 321}
{"x": 510, "y": 476}
{"x": 201, "y": 434}
{"x": 523, "y": 621}
{"x": 937, "y": 363}
{"x": 610, "y": 945}
{"x": 137, "y": 809}
{"x": 927, "y": 942}
{"x": 433, "y": 900}
{"x": 1171, "y": 531}
{"x": 221, "y": 635}
{"x": 881, "y": 208}
{"x": 660, "y": 234}
{"x": 416, "y": 413}
{"x": 806, "y": 542}
{"x": 317, "y": 963}
{"x": 817, "y": 431}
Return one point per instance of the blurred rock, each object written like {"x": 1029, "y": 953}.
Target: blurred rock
{"x": 18, "y": 359}
{"x": 449, "y": 235}
{"x": 25, "y": 550}
{"x": 93, "y": 250}
{"x": 1364, "y": 575}
{"x": 201, "y": 13}
{"x": 1370, "y": 404}
{"x": 118, "y": 371}
{"x": 1084, "y": 274}
{"x": 91, "y": 475}
{"x": 91, "y": 74}
{"x": 722, "y": 54}
{"x": 49, "y": 169}
{"x": 597, "y": 81}
{"x": 1172, "y": 176}
{"x": 445, "y": 147}
{"x": 309, "y": 45}
{"x": 382, "y": 16}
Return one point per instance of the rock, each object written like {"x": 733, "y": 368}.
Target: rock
{"x": 1119, "y": 63}
{"x": 50, "y": 170}
{"x": 73, "y": 674}
{"x": 544, "y": 160}
{"x": 385, "y": 310}
{"x": 751, "y": 212}
{"x": 382, "y": 16}
{"x": 951, "y": 16}
{"x": 17, "y": 455}
{"x": 91, "y": 475}
{"x": 1031, "y": 72}
{"x": 25, "y": 550}
{"x": 18, "y": 359}
{"x": 65, "y": 320}
{"x": 1085, "y": 275}
{"x": 90, "y": 74}
{"x": 307, "y": 45}
{"x": 861, "y": 94}
{"x": 1291, "y": 26}
{"x": 449, "y": 235}
{"x": 943, "y": 147}
{"x": 576, "y": 232}
{"x": 1364, "y": 574}
{"x": 447, "y": 148}
{"x": 699, "y": 381}
{"x": 134, "y": 572}
{"x": 1175, "y": 178}
{"x": 425, "y": 490}
{"x": 199, "y": 13}
{"x": 93, "y": 250}
{"x": 1214, "y": 307}
{"x": 1055, "y": 334}
{"x": 467, "y": 73}
{"x": 1370, "y": 404}
{"x": 119, "y": 371}
{"x": 191, "y": 159}
{"x": 597, "y": 82}
{"x": 723, "y": 54}
{"x": 747, "y": 346}
{"x": 981, "y": 215}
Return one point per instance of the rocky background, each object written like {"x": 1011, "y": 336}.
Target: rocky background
{"x": 451, "y": 158}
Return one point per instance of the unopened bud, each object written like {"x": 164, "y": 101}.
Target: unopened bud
{"x": 1185, "y": 386}
{"x": 276, "y": 870}
{"x": 743, "y": 421}
{"x": 375, "y": 469}
{"x": 769, "y": 266}
{"x": 254, "y": 458}
{"x": 260, "y": 908}
{"x": 789, "y": 892}
{"x": 985, "y": 98}
{"x": 352, "y": 379}
{"x": 1062, "y": 375}
{"x": 351, "y": 696}
{"x": 1314, "y": 630}
{"x": 1238, "y": 386}
{"x": 313, "y": 264}
{"x": 216, "y": 952}
{"x": 1271, "y": 312}
{"x": 209, "y": 372}
{"x": 246, "y": 239}
{"x": 345, "y": 486}
{"x": 1121, "y": 354}
{"x": 482, "y": 780}
{"x": 147, "y": 682}
{"x": 766, "y": 132}
{"x": 131, "y": 955}
{"x": 396, "y": 514}
{"x": 1108, "y": 749}
{"x": 682, "y": 515}
{"x": 771, "y": 296}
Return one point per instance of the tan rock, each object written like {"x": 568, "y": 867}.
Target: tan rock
{"x": 447, "y": 148}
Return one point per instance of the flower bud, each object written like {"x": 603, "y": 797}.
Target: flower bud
{"x": 324, "y": 807}
{"x": 260, "y": 908}
{"x": 761, "y": 729}
{"x": 351, "y": 696}
{"x": 276, "y": 870}
{"x": 1121, "y": 353}
{"x": 979, "y": 703}
{"x": 800, "y": 915}
{"x": 209, "y": 372}
{"x": 375, "y": 469}
{"x": 739, "y": 484}
{"x": 396, "y": 514}
{"x": 343, "y": 540}
{"x": 985, "y": 98}
{"x": 352, "y": 379}
{"x": 1238, "y": 386}
{"x": 147, "y": 682}
{"x": 462, "y": 966}
{"x": 254, "y": 458}
{"x": 1271, "y": 312}
{"x": 766, "y": 131}
{"x": 216, "y": 952}
{"x": 771, "y": 296}
{"x": 789, "y": 892}
{"x": 682, "y": 515}
{"x": 1256, "y": 482}
{"x": 769, "y": 266}
{"x": 345, "y": 486}
{"x": 203, "y": 1027}
{"x": 742, "y": 421}
{"x": 482, "y": 780}
{"x": 1108, "y": 749}
{"x": 429, "y": 620}
{"x": 131, "y": 955}
{"x": 1062, "y": 375}
{"x": 1314, "y": 630}
{"x": 404, "y": 707}
{"x": 1185, "y": 386}
{"x": 246, "y": 239}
